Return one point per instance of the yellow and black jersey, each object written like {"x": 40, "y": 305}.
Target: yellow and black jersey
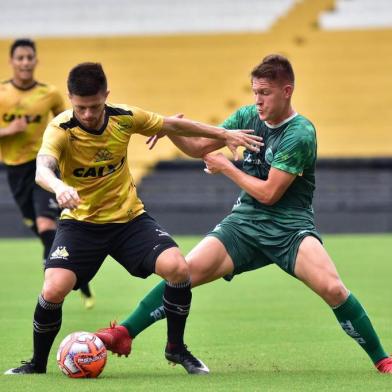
{"x": 95, "y": 162}
{"x": 35, "y": 104}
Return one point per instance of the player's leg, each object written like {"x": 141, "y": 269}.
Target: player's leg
{"x": 136, "y": 246}
{"x": 87, "y": 295}
{"x": 46, "y": 228}
{"x": 149, "y": 249}
{"x": 47, "y": 318}
{"x": 177, "y": 296}
{"x": 46, "y": 211}
{"x": 75, "y": 257}
{"x": 171, "y": 266}
{"x": 48, "y": 312}
{"x": 315, "y": 268}
{"x": 22, "y": 184}
{"x": 207, "y": 261}
{"x": 211, "y": 259}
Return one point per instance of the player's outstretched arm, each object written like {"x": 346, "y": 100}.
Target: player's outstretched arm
{"x": 195, "y": 147}
{"x": 177, "y": 127}
{"x": 66, "y": 196}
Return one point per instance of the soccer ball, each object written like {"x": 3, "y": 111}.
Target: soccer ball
{"x": 81, "y": 355}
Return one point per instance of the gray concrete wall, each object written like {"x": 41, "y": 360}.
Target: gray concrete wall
{"x": 352, "y": 196}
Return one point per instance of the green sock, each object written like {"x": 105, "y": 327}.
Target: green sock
{"x": 355, "y": 322}
{"x": 148, "y": 311}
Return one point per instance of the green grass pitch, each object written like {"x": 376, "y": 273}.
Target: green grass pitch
{"x": 264, "y": 331}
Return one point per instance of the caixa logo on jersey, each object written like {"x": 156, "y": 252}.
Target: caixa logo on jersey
{"x": 7, "y": 117}
{"x": 98, "y": 171}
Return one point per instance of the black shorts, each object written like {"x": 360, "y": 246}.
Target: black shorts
{"x": 82, "y": 246}
{"x": 32, "y": 200}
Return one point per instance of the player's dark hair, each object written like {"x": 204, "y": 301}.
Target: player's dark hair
{"x": 22, "y": 42}
{"x": 87, "y": 79}
{"x": 275, "y": 68}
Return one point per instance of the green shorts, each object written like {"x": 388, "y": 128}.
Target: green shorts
{"x": 253, "y": 244}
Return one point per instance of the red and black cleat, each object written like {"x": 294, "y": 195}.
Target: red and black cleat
{"x": 116, "y": 339}
{"x": 385, "y": 365}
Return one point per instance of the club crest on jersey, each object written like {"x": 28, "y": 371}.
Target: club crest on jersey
{"x": 60, "y": 253}
{"x": 103, "y": 155}
{"x": 98, "y": 171}
{"x": 269, "y": 155}
{"x": 30, "y": 119}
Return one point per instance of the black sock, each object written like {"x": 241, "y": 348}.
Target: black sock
{"x": 46, "y": 324}
{"x": 177, "y": 302}
{"x": 85, "y": 289}
{"x": 47, "y": 238}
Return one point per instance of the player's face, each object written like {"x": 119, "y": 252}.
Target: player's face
{"x": 23, "y": 62}
{"x": 90, "y": 110}
{"x": 272, "y": 100}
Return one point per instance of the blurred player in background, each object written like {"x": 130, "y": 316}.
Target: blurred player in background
{"x": 25, "y": 107}
{"x": 102, "y": 214}
{"x": 272, "y": 220}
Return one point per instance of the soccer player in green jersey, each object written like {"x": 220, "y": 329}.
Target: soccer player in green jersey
{"x": 272, "y": 220}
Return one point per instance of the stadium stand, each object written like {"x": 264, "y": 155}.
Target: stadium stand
{"x": 357, "y": 14}
{"x": 137, "y": 17}
{"x": 175, "y": 73}
{"x": 343, "y": 76}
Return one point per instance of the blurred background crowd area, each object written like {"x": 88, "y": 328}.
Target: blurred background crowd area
{"x": 172, "y": 56}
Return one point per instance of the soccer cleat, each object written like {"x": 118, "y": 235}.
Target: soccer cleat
{"x": 88, "y": 301}
{"x": 27, "y": 367}
{"x": 183, "y": 357}
{"x": 384, "y": 365}
{"x": 116, "y": 339}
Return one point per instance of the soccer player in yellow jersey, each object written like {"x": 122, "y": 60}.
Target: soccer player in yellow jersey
{"x": 102, "y": 214}
{"x": 25, "y": 107}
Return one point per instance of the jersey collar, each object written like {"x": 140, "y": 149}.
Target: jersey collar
{"x": 23, "y": 88}
{"x": 93, "y": 131}
{"x": 295, "y": 114}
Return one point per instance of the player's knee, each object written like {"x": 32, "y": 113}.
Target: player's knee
{"x": 335, "y": 293}
{"x": 177, "y": 270}
{"x": 53, "y": 292}
{"x": 45, "y": 224}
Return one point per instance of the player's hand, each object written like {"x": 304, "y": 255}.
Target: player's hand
{"x": 67, "y": 196}
{"x": 17, "y": 126}
{"x": 216, "y": 163}
{"x": 244, "y": 137}
{"x": 153, "y": 140}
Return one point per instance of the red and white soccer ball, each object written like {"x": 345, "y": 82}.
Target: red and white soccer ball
{"x": 81, "y": 355}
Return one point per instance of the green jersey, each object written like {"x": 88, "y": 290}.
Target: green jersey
{"x": 291, "y": 147}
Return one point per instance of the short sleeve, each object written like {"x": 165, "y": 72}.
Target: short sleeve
{"x": 240, "y": 118}
{"x": 53, "y": 142}
{"x": 231, "y": 122}
{"x": 146, "y": 123}
{"x": 296, "y": 151}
